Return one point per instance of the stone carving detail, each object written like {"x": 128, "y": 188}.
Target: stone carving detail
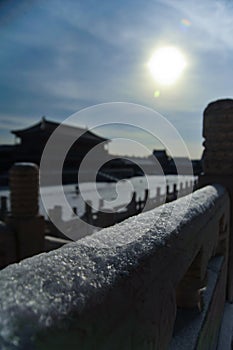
{"x": 222, "y": 248}
{"x": 189, "y": 290}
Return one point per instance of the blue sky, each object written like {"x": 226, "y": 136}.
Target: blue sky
{"x": 57, "y": 57}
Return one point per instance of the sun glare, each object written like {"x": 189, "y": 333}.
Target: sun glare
{"x": 166, "y": 65}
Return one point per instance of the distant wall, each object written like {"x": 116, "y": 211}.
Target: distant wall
{"x": 119, "y": 288}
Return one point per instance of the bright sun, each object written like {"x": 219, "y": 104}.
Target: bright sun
{"x": 166, "y": 65}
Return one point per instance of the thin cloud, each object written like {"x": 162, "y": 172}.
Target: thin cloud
{"x": 211, "y": 22}
{"x": 11, "y": 122}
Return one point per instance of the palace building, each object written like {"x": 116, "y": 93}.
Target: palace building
{"x": 30, "y": 143}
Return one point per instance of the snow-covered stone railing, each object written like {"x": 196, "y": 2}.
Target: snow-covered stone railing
{"x": 120, "y": 288}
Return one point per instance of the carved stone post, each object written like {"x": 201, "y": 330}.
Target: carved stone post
{"x": 218, "y": 159}
{"x": 25, "y": 220}
{"x": 3, "y": 207}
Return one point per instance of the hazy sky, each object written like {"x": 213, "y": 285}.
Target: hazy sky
{"x": 57, "y": 57}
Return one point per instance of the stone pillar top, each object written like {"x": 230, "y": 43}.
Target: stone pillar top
{"x": 24, "y": 167}
{"x": 218, "y": 134}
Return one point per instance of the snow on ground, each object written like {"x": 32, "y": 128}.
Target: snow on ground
{"x": 113, "y": 194}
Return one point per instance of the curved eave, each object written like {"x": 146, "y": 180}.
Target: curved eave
{"x": 34, "y": 128}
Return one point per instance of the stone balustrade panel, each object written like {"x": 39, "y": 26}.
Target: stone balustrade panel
{"x": 115, "y": 289}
